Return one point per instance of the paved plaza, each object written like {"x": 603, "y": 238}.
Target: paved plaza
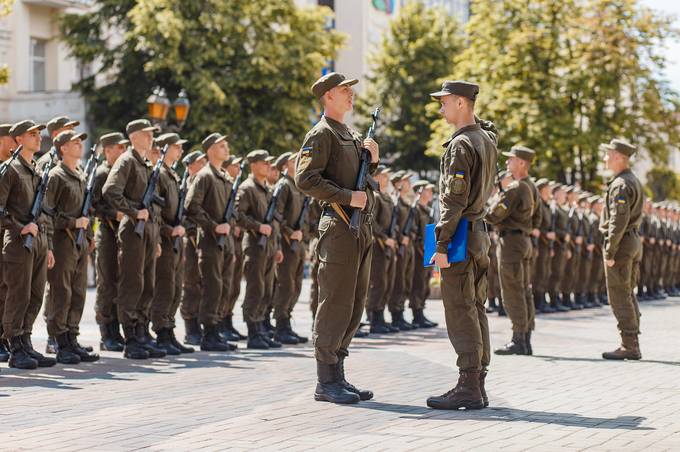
{"x": 563, "y": 398}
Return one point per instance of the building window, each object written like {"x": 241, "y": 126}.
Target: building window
{"x": 37, "y": 70}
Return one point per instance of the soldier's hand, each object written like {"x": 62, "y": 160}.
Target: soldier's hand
{"x": 551, "y": 236}
{"x": 82, "y": 222}
{"x": 652, "y": 240}
{"x": 237, "y": 231}
{"x": 391, "y": 243}
{"x": 265, "y": 230}
{"x": 91, "y": 246}
{"x": 590, "y": 247}
{"x": 296, "y": 235}
{"x": 30, "y": 228}
{"x": 441, "y": 260}
{"x": 567, "y": 238}
{"x": 50, "y": 259}
{"x": 610, "y": 262}
{"x": 278, "y": 257}
{"x": 359, "y": 199}
{"x": 143, "y": 214}
{"x": 159, "y": 250}
{"x": 372, "y": 146}
{"x": 536, "y": 233}
{"x": 578, "y": 240}
{"x": 223, "y": 229}
{"x": 567, "y": 254}
{"x": 405, "y": 240}
{"x": 119, "y": 216}
{"x": 178, "y": 231}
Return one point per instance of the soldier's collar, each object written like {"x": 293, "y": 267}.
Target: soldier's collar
{"x": 468, "y": 128}
{"x": 219, "y": 172}
{"x": 75, "y": 174}
{"x": 138, "y": 156}
{"x": 30, "y": 166}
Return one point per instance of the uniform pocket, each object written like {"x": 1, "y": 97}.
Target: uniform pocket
{"x": 333, "y": 246}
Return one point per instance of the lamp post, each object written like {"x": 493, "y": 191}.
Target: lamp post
{"x": 158, "y": 107}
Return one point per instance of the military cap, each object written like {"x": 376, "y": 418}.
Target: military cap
{"x": 556, "y": 186}
{"x": 542, "y": 182}
{"x": 459, "y": 88}
{"x": 237, "y": 161}
{"x": 66, "y": 136}
{"x": 140, "y": 125}
{"x": 192, "y": 156}
{"x": 570, "y": 189}
{"x": 584, "y": 196}
{"x": 270, "y": 159}
{"x": 595, "y": 199}
{"x": 60, "y": 122}
{"x": 169, "y": 138}
{"x": 421, "y": 184}
{"x": 258, "y": 155}
{"x": 397, "y": 176}
{"x": 211, "y": 139}
{"x": 330, "y": 81}
{"x": 382, "y": 169}
{"x": 521, "y": 152}
{"x": 24, "y": 126}
{"x": 228, "y": 161}
{"x": 621, "y": 146}
{"x": 282, "y": 160}
{"x": 4, "y": 130}
{"x": 111, "y": 139}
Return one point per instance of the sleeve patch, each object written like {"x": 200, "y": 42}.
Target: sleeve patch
{"x": 620, "y": 199}
{"x": 460, "y": 175}
{"x": 457, "y": 185}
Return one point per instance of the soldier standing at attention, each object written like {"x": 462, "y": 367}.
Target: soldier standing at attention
{"x": 622, "y": 249}
{"x": 546, "y": 247}
{"x": 327, "y": 170}
{"x": 7, "y": 147}
{"x": 106, "y": 311}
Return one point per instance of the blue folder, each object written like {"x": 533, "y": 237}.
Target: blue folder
{"x": 457, "y": 247}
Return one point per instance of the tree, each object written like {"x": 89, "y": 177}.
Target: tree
{"x": 663, "y": 183}
{"x": 247, "y": 65}
{"x": 5, "y": 9}
{"x": 563, "y": 76}
{"x": 416, "y": 52}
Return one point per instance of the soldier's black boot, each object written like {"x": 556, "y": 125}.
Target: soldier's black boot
{"x": 402, "y": 324}
{"x": 267, "y": 323}
{"x": 4, "y": 350}
{"x": 283, "y": 335}
{"x": 592, "y": 299}
{"x": 586, "y": 302}
{"x": 301, "y": 339}
{"x": 147, "y": 342}
{"x": 556, "y": 301}
{"x": 108, "y": 341}
{"x": 492, "y": 306}
{"x": 538, "y": 306}
{"x": 527, "y": 342}
{"x": 574, "y": 302}
{"x": 359, "y": 333}
{"x": 328, "y": 389}
{"x": 255, "y": 339}
{"x": 392, "y": 328}
{"x": 18, "y": 356}
{"x": 211, "y": 340}
{"x": 133, "y": 349}
{"x": 546, "y": 308}
{"x": 516, "y": 346}
{"x": 85, "y": 355}
{"x": 177, "y": 344}
{"x": 377, "y": 326}
{"x": 193, "y": 332}
{"x": 163, "y": 341}
{"x": 268, "y": 336}
{"x": 51, "y": 346}
{"x": 466, "y": 394}
{"x": 233, "y": 334}
{"x": 65, "y": 351}
{"x": 364, "y": 394}
{"x": 43, "y": 361}
{"x": 420, "y": 320}
{"x": 482, "y": 387}
{"x": 501, "y": 309}
{"x": 428, "y": 323}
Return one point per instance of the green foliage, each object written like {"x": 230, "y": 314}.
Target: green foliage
{"x": 663, "y": 183}
{"x": 417, "y": 50}
{"x": 246, "y": 65}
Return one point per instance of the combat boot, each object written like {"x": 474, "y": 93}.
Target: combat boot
{"x": 527, "y": 342}
{"x": 545, "y": 307}
{"x": 232, "y": 333}
{"x": 146, "y": 341}
{"x": 255, "y": 339}
{"x": 51, "y": 346}
{"x": 516, "y": 346}
{"x": 211, "y": 340}
{"x": 267, "y": 324}
{"x": 163, "y": 341}
{"x": 301, "y": 339}
{"x": 392, "y": 328}
{"x": 363, "y": 394}
{"x": 492, "y": 306}
{"x": 283, "y": 335}
{"x": 43, "y": 361}
{"x": 587, "y": 302}
{"x": 193, "y": 332}
{"x": 592, "y": 299}
{"x": 108, "y": 342}
{"x": 629, "y": 349}
{"x": 420, "y": 321}
{"x": 265, "y": 333}
{"x": 65, "y": 352}
{"x": 4, "y": 350}
{"x": 359, "y": 333}
{"x": 466, "y": 394}
{"x": 556, "y": 302}
{"x": 604, "y": 298}
{"x": 377, "y": 326}
{"x": 501, "y": 309}
{"x": 329, "y": 389}
{"x": 482, "y": 387}
{"x": 18, "y": 356}
{"x": 133, "y": 349}
{"x": 85, "y": 356}
{"x": 177, "y": 344}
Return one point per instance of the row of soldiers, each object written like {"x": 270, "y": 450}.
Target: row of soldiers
{"x": 164, "y": 243}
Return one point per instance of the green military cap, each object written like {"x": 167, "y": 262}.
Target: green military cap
{"x": 397, "y": 176}
{"x": 569, "y": 188}
{"x": 421, "y": 184}
{"x": 138, "y": 125}
{"x": 111, "y": 139}
{"x": 594, "y": 199}
{"x": 258, "y": 155}
{"x": 330, "y": 81}
{"x": 24, "y": 126}
{"x": 542, "y": 182}
{"x": 382, "y": 169}
{"x": 584, "y": 196}
{"x": 193, "y": 156}
{"x": 237, "y": 161}
{"x": 459, "y": 88}
{"x": 621, "y": 146}
{"x": 60, "y": 122}
{"x": 4, "y": 130}
{"x": 169, "y": 138}
{"x": 282, "y": 160}
{"x": 212, "y": 139}
{"x": 521, "y": 152}
{"x": 556, "y": 186}
{"x": 66, "y": 136}
{"x": 270, "y": 159}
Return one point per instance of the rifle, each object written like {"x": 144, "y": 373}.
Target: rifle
{"x": 179, "y": 216}
{"x": 231, "y": 205}
{"x": 363, "y": 178}
{"x": 150, "y": 195}
{"x": 408, "y": 226}
{"x": 392, "y": 230}
{"x": 90, "y": 170}
{"x": 302, "y": 219}
{"x": 37, "y": 207}
{"x": 271, "y": 208}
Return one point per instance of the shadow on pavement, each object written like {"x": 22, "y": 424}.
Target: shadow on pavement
{"x": 600, "y": 360}
{"x": 502, "y": 414}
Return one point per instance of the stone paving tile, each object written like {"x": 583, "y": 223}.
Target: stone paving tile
{"x": 563, "y": 398}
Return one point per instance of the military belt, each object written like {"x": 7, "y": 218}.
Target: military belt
{"x": 512, "y": 232}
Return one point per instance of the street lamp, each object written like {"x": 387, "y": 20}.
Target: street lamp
{"x": 158, "y": 106}
{"x": 181, "y": 106}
